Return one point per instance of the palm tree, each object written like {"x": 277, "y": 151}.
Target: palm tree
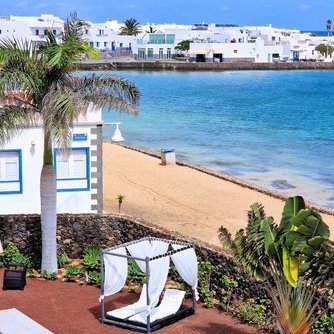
{"x": 329, "y": 28}
{"x": 151, "y": 30}
{"x": 120, "y": 199}
{"x": 131, "y": 27}
{"x": 38, "y": 85}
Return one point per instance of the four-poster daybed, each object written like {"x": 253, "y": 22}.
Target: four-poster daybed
{"x": 153, "y": 257}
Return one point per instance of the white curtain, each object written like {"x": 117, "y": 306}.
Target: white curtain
{"x": 159, "y": 269}
{"x": 187, "y": 266}
{"x": 115, "y": 271}
{"x": 149, "y": 249}
{"x": 141, "y": 249}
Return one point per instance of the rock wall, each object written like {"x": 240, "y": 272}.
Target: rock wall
{"x": 76, "y": 232}
{"x": 185, "y": 66}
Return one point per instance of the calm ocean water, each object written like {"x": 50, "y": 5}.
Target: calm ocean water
{"x": 272, "y": 128}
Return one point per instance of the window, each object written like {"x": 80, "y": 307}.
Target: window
{"x": 161, "y": 53}
{"x": 97, "y": 44}
{"x": 45, "y": 32}
{"x": 0, "y": 31}
{"x": 101, "y": 32}
{"x": 105, "y": 44}
{"x": 72, "y": 169}
{"x": 36, "y": 32}
{"x": 10, "y": 172}
{"x": 149, "y": 53}
{"x": 169, "y": 53}
{"x": 91, "y": 44}
{"x": 235, "y": 51}
{"x": 54, "y": 32}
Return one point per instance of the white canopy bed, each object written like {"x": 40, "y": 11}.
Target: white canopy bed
{"x": 153, "y": 257}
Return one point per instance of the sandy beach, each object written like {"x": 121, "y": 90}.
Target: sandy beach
{"x": 179, "y": 198}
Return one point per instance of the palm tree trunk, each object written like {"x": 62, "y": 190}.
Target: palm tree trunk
{"x": 48, "y": 189}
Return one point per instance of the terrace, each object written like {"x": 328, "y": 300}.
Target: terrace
{"x": 70, "y": 308}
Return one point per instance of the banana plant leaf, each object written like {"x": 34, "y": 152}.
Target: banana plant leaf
{"x": 290, "y": 268}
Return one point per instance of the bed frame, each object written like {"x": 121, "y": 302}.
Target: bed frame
{"x": 150, "y": 326}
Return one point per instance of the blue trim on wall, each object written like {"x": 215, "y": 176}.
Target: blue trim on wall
{"x": 86, "y": 149}
{"x": 20, "y": 181}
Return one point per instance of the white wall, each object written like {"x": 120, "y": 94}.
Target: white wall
{"x": 32, "y": 159}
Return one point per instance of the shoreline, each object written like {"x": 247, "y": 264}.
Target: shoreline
{"x": 230, "y": 178}
{"x": 185, "y": 66}
{"x": 183, "y": 198}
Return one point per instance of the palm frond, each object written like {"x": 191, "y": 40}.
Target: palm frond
{"x": 60, "y": 108}
{"x": 13, "y": 119}
{"x": 111, "y": 92}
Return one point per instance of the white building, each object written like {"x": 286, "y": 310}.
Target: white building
{"x": 30, "y": 28}
{"x": 104, "y": 38}
{"x": 79, "y": 172}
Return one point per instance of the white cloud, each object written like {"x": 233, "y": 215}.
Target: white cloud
{"x": 304, "y": 6}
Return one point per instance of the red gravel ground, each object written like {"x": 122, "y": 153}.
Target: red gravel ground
{"x": 67, "y": 308}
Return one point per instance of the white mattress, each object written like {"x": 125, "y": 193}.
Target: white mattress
{"x": 12, "y": 321}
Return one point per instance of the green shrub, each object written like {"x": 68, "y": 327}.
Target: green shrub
{"x": 228, "y": 285}
{"x": 62, "y": 260}
{"x": 91, "y": 259}
{"x": 205, "y": 270}
{"x": 135, "y": 275}
{"x": 47, "y": 276}
{"x": 72, "y": 271}
{"x": 325, "y": 324}
{"x": 252, "y": 313}
{"x": 93, "y": 277}
{"x": 12, "y": 255}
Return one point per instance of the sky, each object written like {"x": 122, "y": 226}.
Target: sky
{"x": 294, "y": 14}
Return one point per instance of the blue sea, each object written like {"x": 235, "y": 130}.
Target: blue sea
{"x": 271, "y": 128}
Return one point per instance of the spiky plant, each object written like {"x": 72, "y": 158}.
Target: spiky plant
{"x": 38, "y": 85}
{"x": 120, "y": 199}
{"x": 293, "y": 260}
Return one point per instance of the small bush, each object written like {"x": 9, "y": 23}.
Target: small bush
{"x": 91, "y": 259}
{"x": 93, "y": 277}
{"x": 228, "y": 284}
{"x": 252, "y": 313}
{"x": 47, "y": 276}
{"x": 12, "y": 255}
{"x": 325, "y": 324}
{"x": 205, "y": 270}
{"x": 73, "y": 271}
{"x": 62, "y": 260}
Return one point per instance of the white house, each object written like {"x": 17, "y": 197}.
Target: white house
{"x": 31, "y": 28}
{"x": 78, "y": 171}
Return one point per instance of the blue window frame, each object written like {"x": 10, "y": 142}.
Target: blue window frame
{"x": 72, "y": 169}
{"x": 11, "y": 172}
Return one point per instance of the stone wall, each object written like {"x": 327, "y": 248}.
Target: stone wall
{"x": 76, "y": 232}
{"x": 184, "y": 66}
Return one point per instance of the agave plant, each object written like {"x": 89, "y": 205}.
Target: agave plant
{"x": 295, "y": 258}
